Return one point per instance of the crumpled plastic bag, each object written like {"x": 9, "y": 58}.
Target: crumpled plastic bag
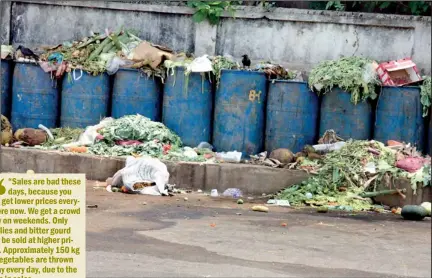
{"x": 6, "y": 51}
{"x": 233, "y": 193}
{"x": 200, "y": 64}
{"x": 143, "y": 169}
{"x": 115, "y": 63}
{"x": 90, "y": 134}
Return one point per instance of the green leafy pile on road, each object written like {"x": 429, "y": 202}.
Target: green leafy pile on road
{"x": 426, "y": 95}
{"x": 352, "y": 74}
{"x": 341, "y": 176}
{"x": 153, "y": 135}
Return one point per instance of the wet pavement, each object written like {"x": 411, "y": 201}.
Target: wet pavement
{"x": 146, "y": 236}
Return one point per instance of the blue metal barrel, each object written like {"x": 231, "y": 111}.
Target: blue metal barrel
{"x": 85, "y": 100}
{"x": 136, "y": 93}
{"x": 6, "y": 87}
{"x": 239, "y": 112}
{"x": 35, "y": 97}
{"x": 399, "y": 116}
{"x": 187, "y": 106}
{"x": 348, "y": 120}
{"x": 292, "y": 116}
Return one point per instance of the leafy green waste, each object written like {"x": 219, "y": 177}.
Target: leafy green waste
{"x": 134, "y": 127}
{"x": 62, "y": 136}
{"x": 352, "y": 74}
{"x": 426, "y": 95}
{"x": 345, "y": 169}
{"x": 219, "y": 63}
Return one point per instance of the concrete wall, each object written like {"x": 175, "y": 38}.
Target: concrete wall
{"x": 295, "y": 38}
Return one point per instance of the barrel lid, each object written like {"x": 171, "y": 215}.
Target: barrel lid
{"x": 236, "y": 71}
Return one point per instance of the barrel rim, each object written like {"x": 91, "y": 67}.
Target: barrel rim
{"x": 400, "y": 87}
{"x": 236, "y": 71}
{"x": 287, "y": 81}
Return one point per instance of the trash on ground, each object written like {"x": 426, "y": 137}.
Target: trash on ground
{"x": 398, "y": 72}
{"x": 92, "y": 206}
{"x": 280, "y": 203}
{"x": 427, "y": 206}
{"x": 352, "y": 175}
{"x": 233, "y": 193}
{"x": 415, "y": 213}
{"x": 142, "y": 175}
{"x": 261, "y": 159}
{"x": 31, "y": 172}
{"x": 214, "y": 193}
{"x": 260, "y": 208}
{"x": 233, "y": 156}
{"x": 240, "y": 202}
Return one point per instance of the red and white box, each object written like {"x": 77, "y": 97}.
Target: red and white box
{"x": 398, "y": 73}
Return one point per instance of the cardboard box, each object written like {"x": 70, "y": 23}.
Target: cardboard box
{"x": 398, "y": 73}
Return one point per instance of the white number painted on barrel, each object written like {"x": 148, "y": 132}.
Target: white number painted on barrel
{"x": 253, "y": 95}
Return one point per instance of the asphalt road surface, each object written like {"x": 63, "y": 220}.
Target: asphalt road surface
{"x": 145, "y": 236}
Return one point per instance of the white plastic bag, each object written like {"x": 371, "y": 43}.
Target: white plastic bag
{"x": 88, "y": 137}
{"x": 115, "y": 63}
{"x": 145, "y": 169}
{"x": 200, "y": 64}
{"x": 234, "y": 156}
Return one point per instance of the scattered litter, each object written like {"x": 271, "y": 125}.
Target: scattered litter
{"x": 284, "y": 224}
{"x": 280, "y": 203}
{"x": 31, "y": 172}
{"x": 214, "y": 193}
{"x": 427, "y": 206}
{"x": 240, "y": 202}
{"x": 260, "y": 208}
{"x": 212, "y": 225}
{"x": 205, "y": 145}
{"x": 232, "y": 192}
{"x": 185, "y": 199}
{"x": 199, "y": 191}
{"x": 261, "y": 159}
{"x": 238, "y": 213}
{"x": 234, "y": 156}
{"x": 323, "y": 209}
{"x": 92, "y": 206}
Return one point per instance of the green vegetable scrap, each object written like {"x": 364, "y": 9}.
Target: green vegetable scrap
{"x": 353, "y": 74}
{"x": 341, "y": 176}
{"x": 62, "y": 136}
{"x": 426, "y": 95}
{"x": 219, "y": 63}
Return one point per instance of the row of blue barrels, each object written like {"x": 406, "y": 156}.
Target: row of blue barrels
{"x": 245, "y": 118}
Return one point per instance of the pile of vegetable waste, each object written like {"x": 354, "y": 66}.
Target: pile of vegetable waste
{"x": 345, "y": 176}
{"x": 139, "y": 136}
{"x": 353, "y": 74}
{"x": 220, "y": 63}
